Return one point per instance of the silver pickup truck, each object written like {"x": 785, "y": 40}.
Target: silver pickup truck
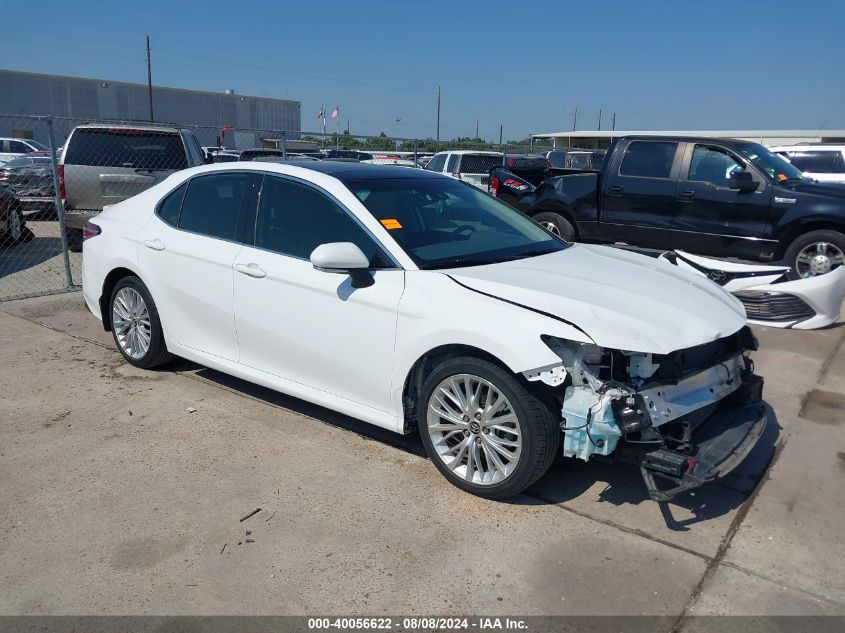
{"x": 104, "y": 163}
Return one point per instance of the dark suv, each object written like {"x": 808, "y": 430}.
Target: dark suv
{"x": 105, "y": 163}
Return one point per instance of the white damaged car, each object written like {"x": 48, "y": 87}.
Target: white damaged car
{"x": 416, "y": 302}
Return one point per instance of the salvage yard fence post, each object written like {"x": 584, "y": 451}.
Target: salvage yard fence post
{"x": 60, "y": 207}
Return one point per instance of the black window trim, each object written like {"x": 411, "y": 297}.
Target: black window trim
{"x": 307, "y": 183}
{"x": 242, "y": 216}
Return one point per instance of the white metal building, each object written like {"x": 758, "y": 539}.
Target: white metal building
{"x": 599, "y": 139}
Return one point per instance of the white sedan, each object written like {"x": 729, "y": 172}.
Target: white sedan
{"x": 413, "y": 301}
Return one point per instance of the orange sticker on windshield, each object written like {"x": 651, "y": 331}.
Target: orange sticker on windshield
{"x": 391, "y": 223}
{"x": 782, "y": 177}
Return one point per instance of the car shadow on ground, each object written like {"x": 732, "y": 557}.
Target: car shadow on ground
{"x": 567, "y": 479}
{"x": 15, "y": 258}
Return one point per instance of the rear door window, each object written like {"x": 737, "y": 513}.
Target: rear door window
{"x": 478, "y": 163}
{"x": 452, "y": 165}
{"x": 213, "y": 204}
{"x": 648, "y": 159}
{"x": 168, "y": 209}
{"x": 436, "y": 163}
{"x": 818, "y": 162}
{"x": 125, "y": 147}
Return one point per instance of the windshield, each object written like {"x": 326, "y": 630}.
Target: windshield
{"x": 444, "y": 223}
{"x": 39, "y": 146}
{"x": 771, "y": 163}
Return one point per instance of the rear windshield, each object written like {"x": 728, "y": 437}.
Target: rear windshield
{"x": 120, "y": 147}
{"x": 478, "y": 163}
{"x": 817, "y": 162}
{"x": 530, "y": 162}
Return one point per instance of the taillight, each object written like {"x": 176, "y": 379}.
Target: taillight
{"x": 493, "y": 187}
{"x": 62, "y": 182}
{"x": 90, "y": 230}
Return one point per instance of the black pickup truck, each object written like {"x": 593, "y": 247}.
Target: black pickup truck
{"x": 721, "y": 197}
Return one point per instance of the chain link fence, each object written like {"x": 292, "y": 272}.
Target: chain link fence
{"x": 58, "y": 172}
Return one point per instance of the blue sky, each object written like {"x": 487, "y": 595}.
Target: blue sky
{"x": 526, "y": 65}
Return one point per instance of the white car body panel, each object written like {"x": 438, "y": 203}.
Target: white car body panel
{"x": 313, "y": 328}
{"x": 823, "y": 293}
{"x": 622, "y": 300}
{"x": 192, "y": 285}
{"x": 308, "y": 334}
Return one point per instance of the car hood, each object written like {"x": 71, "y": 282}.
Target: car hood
{"x": 829, "y": 189}
{"x": 620, "y": 299}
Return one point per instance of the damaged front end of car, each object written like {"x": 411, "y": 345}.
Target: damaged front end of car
{"x": 685, "y": 418}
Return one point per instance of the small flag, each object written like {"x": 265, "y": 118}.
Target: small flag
{"x": 320, "y": 114}
{"x": 336, "y": 112}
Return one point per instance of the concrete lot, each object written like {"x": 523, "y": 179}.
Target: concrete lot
{"x": 118, "y": 500}
{"x": 37, "y": 266}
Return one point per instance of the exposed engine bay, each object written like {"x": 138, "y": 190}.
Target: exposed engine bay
{"x": 688, "y": 416}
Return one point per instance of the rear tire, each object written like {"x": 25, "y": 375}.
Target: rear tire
{"x": 557, "y": 224}
{"x": 815, "y": 253}
{"x": 523, "y": 427}
{"x": 136, "y": 326}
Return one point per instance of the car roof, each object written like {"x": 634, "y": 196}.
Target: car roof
{"x": 128, "y": 126}
{"x": 469, "y": 151}
{"x": 814, "y": 147}
{"x": 337, "y": 169}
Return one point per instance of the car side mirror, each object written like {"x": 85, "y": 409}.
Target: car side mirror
{"x": 742, "y": 181}
{"x": 343, "y": 258}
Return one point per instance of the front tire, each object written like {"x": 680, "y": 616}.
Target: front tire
{"x": 484, "y": 430}
{"x": 556, "y": 224}
{"x": 815, "y": 253}
{"x": 136, "y": 326}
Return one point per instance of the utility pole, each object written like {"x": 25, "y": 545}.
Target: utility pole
{"x": 613, "y": 128}
{"x": 575, "y": 120}
{"x": 501, "y": 127}
{"x": 599, "y": 119}
{"x": 438, "y": 113}
{"x": 476, "y": 128}
{"x": 149, "y": 79}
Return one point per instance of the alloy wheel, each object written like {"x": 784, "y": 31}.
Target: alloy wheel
{"x": 15, "y": 225}
{"x": 131, "y": 322}
{"x": 474, "y": 429}
{"x": 818, "y": 258}
{"x": 551, "y": 227}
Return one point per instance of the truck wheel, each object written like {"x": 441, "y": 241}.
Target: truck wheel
{"x": 815, "y": 253}
{"x": 484, "y": 431}
{"x": 556, "y": 224}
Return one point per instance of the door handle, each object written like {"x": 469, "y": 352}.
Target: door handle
{"x": 154, "y": 245}
{"x": 686, "y": 195}
{"x": 615, "y": 190}
{"x": 250, "y": 270}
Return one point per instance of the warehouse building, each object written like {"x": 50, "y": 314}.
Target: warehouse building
{"x": 73, "y": 100}
{"x": 601, "y": 139}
